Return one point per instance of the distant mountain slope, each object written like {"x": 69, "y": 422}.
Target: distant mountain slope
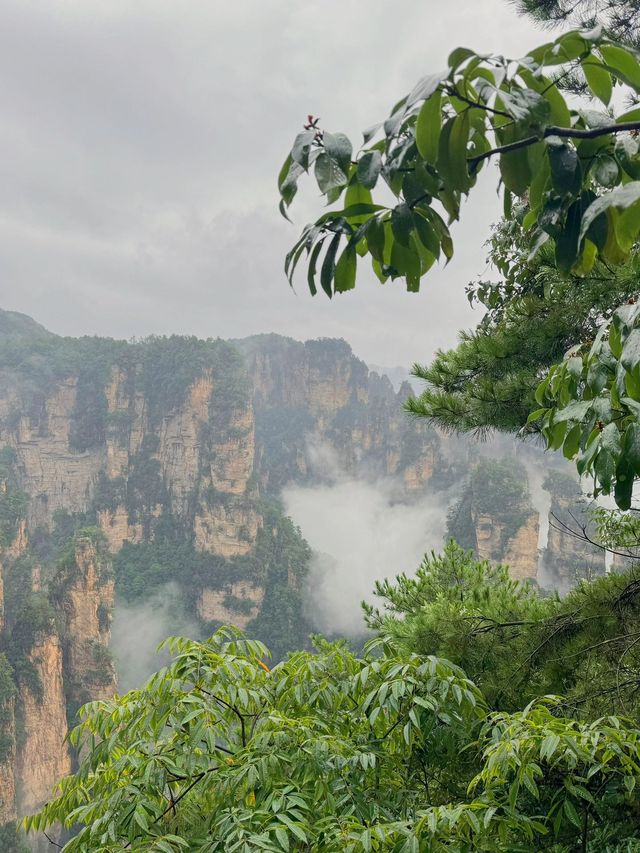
{"x": 13, "y": 324}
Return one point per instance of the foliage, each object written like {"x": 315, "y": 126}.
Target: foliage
{"x": 278, "y": 561}
{"x": 533, "y": 316}
{"x": 516, "y": 643}
{"x": 13, "y": 501}
{"x": 620, "y": 18}
{"x": 590, "y": 402}
{"x": 7, "y": 719}
{"x": 577, "y": 168}
{"x": 498, "y": 488}
{"x": 332, "y": 752}
{"x": 576, "y": 172}
{"x": 12, "y": 839}
{"x": 171, "y": 365}
{"x": 161, "y": 368}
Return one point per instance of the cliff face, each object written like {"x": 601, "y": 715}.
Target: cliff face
{"x": 43, "y": 754}
{"x": 318, "y": 394}
{"x": 55, "y": 659}
{"x": 569, "y": 557}
{"x": 518, "y": 548}
{"x": 84, "y": 589}
{"x": 126, "y": 466}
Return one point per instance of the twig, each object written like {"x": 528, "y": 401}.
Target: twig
{"x": 552, "y": 130}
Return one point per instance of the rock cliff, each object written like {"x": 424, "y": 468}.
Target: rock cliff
{"x": 125, "y": 467}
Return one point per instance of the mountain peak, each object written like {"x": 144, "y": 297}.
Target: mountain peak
{"x": 13, "y": 324}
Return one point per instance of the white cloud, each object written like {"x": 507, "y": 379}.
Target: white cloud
{"x": 141, "y": 143}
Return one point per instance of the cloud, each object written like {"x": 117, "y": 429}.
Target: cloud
{"x": 138, "y": 629}
{"x": 141, "y": 143}
{"x": 359, "y": 534}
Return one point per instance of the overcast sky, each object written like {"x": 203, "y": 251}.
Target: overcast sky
{"x": 140, "y": 144}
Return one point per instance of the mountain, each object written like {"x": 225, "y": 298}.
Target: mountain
{"x": 129, "y": 469}
{"x": 16, "y": 325}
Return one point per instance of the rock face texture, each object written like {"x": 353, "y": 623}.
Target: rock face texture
{"x": 569, "y": 557}
{"x": 43, "y": 756}
{"x": 522, "y": 550}
{"x": 8, "y": 804}
{"x": 518, "y": 550}
{"x": 313, "y": 396}
{"x": 245, "y": 598}
{"x": 84, "y": 589}
{"x": 126, "y": 468}
{"x": 59, "y": 656}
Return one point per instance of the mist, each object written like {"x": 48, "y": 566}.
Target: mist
{"x": 138, "y": 629}
{"x": 359, "y": 533}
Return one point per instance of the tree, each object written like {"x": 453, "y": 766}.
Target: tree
{"x": 330, "y": 752}
{"x": 533, "y": 316}
{"x": 576, "y": 170}
{"x": 619, "y": 18}
{"x": 514, "y": 643}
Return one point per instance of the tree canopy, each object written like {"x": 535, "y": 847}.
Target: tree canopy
{"x": 395, "y": 750}
{"x": 619, "y": 18}
{"x": 569, "y": 177}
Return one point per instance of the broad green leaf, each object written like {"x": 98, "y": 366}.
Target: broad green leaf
{"x": 566, "y": 172}
{"x": 368, "y": 169}
{"x": 428, "y": 127}
{"x": 339, "y": 148}
{"x": 376, "y": 239}
{"x": 628, "y": 226}
{"x": 630, "y": 357}
{"x": 311, "y": 269}
{"x": 283, "y": 838}
{"x": 619, "y": 198}
{"x": 328, "y": 173}
{"x": 623, "y": 64}
{"x": 458, "y": 56}
{"x": 528, "y": 107}
{"x": 567, "y": 241}
{"x": 357, "y": 196}
{"x": 328, "y": 268}
{"x": 626, "y": 153}
{"x": 631, "y": 447}
{"x": 288, "y": 180}
{"x": 426, "y": 234}
{"x": 515, "y": 171}
{"x": 406, "y": 261}
{"x": 572, "y": 45}
{"x": 606, "y": 170}
{"x": 575, "y": 411}
{"x": 402, "y": 223}
{"x": 345, "y": 273}
{"x": 572, "y": 442}
{"x": 452, "y": 153}
{"x": 302, "y": 148}
{"x": 598, "y": 78}
{"x": 572, "y": 814}
{"x": 426, "y": 87}
{"x": 560, "y": 113}
{"x": 623, "y": 489}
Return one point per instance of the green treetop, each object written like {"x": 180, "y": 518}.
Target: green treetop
{"x": 576, "y": 170}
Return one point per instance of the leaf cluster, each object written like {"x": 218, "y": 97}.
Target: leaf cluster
{"x": 577, "y": 168}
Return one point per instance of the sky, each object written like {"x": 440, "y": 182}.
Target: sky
{"x": 141, "y": 143}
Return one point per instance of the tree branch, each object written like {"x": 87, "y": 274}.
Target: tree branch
{"x": 456, "y": 94}
{"x": 552, "y": 130}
